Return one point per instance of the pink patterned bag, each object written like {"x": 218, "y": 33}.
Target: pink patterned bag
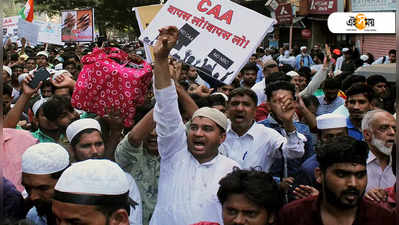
{"x": 104, "y": 84}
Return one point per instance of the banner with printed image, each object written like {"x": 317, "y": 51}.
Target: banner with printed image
{"x": 77, "y": 25}
{"x": 215, "y": 36}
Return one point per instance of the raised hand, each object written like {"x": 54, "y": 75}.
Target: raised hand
{"x": 27, "y": 90}
{"x": 166, "y": 41}
{"x": 377, "y": 195}
{"x": 303, "y": 191}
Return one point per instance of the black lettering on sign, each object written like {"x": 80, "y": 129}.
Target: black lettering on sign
{"x": 220, "y": 58}
{"x": 186, "y": 35}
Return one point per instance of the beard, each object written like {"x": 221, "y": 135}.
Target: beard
{"x": 380, "y": 145}
{"x": 43, "y": 208}
{"x": 338, "y": 201}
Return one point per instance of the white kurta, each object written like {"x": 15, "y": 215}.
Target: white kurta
{"x": 187, "y": 189}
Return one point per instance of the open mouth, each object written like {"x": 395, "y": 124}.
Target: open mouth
{"x": 199, "y": 145}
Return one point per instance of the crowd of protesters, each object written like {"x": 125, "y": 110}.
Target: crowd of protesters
{"x": 296, "y": 138}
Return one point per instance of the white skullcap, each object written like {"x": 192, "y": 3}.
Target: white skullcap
{"x": 213, "y": 114}
{"x": 44, "y": 158}
{"x": 222, "y": 94}
{"x": 330, "y": 120}
{"x": 45, "y": 53}
{"x": 364, "y": 57}
{"x": 8, "y": 70}
{"x": 21, "y": 77}
{"x": 303, "y": 47}
{"x": 59, "y": 72}
{"x": 345, "y": 49}
{"x": 292, "y": 73}
{"x": 93, "y": 176}
{"x": 79, "y": 125}
{"x": 38, "y": 104}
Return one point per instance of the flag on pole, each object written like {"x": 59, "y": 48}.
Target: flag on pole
{"x": 26, "y": 12}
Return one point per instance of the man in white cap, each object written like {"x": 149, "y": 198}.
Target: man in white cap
{"x": 298, "y": 80}
{"x": 42, "y": 59}
{"x": 379, "y": 128}
{"x": 303, "y": 59}
{"x": 6, "y": 74}
{"x": 329, "y": 125}
{"x": 86, "y": 141}
{"x": 338, "y": 63}
{"x": 42, "y": 165}
{"x": 94, "y": 191}
{"x": 191, "y": 165}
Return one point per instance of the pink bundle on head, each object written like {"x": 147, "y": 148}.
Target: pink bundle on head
{"x": 104, "y": 84}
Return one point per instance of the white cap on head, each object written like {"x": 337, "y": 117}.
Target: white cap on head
{"x": 79, "y": 125}
{"x": 8, "y": 70}
{"x": 222, "y": 94}
{"x": 38, "y": 104}
{"x": 213, "y": 114}
{"x": 292, "y": 73}
{"x": 45, "y": 53}
{"x": 330, "y": 121}
{"x": 44, "y": 158}
{"x": 21, "y": 77}
{"x": 93, "y": 176}
{"x": 303, "y": 47}
{"x": 345, "y": 49}
{"x": 364, "y": 57}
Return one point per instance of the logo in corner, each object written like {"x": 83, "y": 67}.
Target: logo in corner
{"x": 360, "y": 21}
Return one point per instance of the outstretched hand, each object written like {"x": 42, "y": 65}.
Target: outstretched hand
{"x": 166, "y": 41}
{"x": 26, "y": 88}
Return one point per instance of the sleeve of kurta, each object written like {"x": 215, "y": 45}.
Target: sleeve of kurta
{"x": 169, "y": 124}
{"x": 292, "y": 145}
{"x": 314, "y": 84}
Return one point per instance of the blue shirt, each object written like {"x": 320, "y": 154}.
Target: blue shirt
{"x": 292, "y": 164}
{"x": 353, "y": 131}
{"x": 307, "y": 61}
{"x": 259, "y": 74}
{"x": 305, "y": 174}
{"x": 324, "y": 107}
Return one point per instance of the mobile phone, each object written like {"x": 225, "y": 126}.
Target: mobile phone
{"x": 39, "y": 75}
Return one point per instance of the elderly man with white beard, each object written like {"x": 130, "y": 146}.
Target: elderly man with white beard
{"x": 379, "y": 127}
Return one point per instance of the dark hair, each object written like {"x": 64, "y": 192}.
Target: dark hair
{"x": 375, "y": 79}
{"x": 56, "y": 106}
{"x": 7, "y": 90}
{"x": 47, "y": 83}
{"x": 285, "y": 68}
{"x": 343, "y": 149}
{"x": 216, "y": 99}
{"x": 277, "y": 76}
{"x": 17, "y": 66}
{"x": 392, "y": 51}
{"x": 331, "y": 83}
{"x": 200, "y": 101}
{"x": 350, "y": 80}
{"x": 185, "y": 67}
{"x": 279, "y": 85}
{"x": 305, "y": 72}
{"x": 360, "y": 89}
{"x": 244, "y": 91}
{"x": 66, "y": 63}
{"x": 310, "y": 100}
{"x": 107, "y": 210}
{"x": 75, "y": 140}
{"x": 249, "y": 66}
{"x": 320, "y": 55}
{"x": 257, "y": 186}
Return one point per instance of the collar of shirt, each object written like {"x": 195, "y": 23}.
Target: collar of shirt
{"x": 206, "y": 164}
{"x": 372, "y": 157}
{"x": 251, "y": 131}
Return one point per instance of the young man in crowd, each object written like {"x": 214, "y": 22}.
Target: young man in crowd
{"x": 379, "y": 128}
{"x": 42, "y": 165}
{"x": 342, "y": 174}
{"x": 188, "y": 161}
{"x": 358, "y": 103}
{"x": 94, "y": 191}
{"x": 330, "y": 101}
{"x": 390, "y": 58}
{"x": 249, "y": 72}
{"x": 269, "y": 67}
{"x": 86, "y": 141}
{"x": 249, "y": 197}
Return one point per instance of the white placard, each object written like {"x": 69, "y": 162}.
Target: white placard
{"x": 10, "y": 28}
{"x": 49, "y": 32}
{"x": 29, "y": 31}
{"x": 215, "y": 36}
